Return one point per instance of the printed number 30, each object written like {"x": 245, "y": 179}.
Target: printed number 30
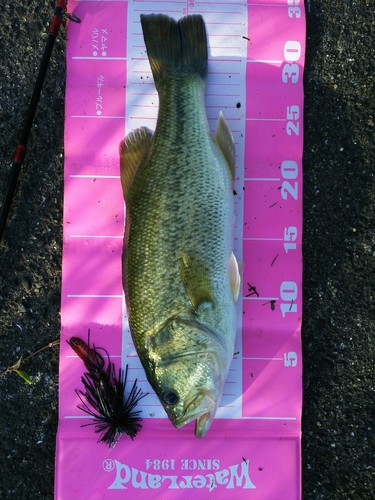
{"x": 290, "y": 73}
{"x": 294, "y": 11}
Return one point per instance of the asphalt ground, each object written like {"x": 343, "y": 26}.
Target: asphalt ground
{"x": 338, "y": 246}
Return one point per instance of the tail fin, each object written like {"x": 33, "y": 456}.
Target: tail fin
{"x": 175, "y": 48}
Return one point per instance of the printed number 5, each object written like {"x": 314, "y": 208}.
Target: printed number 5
{"x": 290, "y": 359}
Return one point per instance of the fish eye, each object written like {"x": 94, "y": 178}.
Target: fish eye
{"x": 170, "y": 397}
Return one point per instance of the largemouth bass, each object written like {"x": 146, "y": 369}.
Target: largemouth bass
{"x": 180, "y": 276}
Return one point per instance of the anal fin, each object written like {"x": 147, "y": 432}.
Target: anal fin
{"x": 224, "y": 139}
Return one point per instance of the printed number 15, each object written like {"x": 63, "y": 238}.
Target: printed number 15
{"x": 290, "y": 236}
{"x": 290, "y": 359}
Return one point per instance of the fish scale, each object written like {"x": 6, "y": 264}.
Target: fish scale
{"x": 178, "y": 244}
{"x": 182, "y": 203}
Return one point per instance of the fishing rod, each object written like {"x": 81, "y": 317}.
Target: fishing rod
{"x": 59, "y": 15}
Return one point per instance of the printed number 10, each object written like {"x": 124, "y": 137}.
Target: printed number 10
{"x": 288, "y": 295}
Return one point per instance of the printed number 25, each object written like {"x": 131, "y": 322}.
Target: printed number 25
{"x": 292, "y": 115}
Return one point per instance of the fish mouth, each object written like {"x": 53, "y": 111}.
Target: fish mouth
{"x": 201, "y": 407}
{"x": 204, "y": 422}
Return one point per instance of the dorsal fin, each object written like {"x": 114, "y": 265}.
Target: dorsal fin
{"x": 223, "y": 137}
{"x": 133, "y": 151}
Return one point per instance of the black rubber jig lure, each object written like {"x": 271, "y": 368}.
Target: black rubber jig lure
{"x": 104, "y": 398}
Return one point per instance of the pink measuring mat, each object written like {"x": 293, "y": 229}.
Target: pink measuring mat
{"x": 256, "y": 60}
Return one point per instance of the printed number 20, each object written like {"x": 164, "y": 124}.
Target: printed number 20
{"x": 289, "y": 170}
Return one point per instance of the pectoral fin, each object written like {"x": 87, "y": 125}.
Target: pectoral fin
{"x": 223, "y": 137}
{"x": 133, "y": 152}
{"x": 234, "y": 276}
{"x": 196, "y": 281}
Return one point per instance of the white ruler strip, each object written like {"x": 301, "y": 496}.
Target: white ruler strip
{"x": 225, "y": 91}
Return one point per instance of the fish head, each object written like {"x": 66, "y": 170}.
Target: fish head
{"x": 194, "y": 396}
{"x": 190, "y": 365}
